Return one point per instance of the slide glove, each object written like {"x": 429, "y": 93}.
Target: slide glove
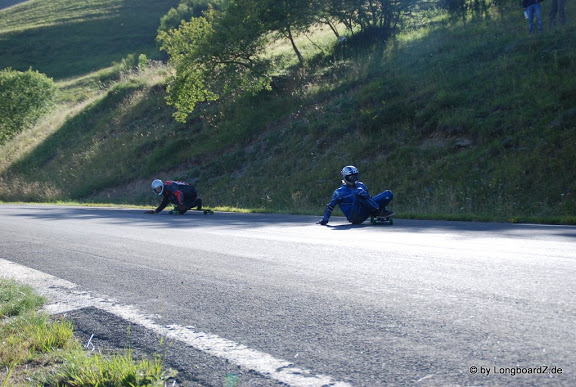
{"x": 362, "y": 193}
{"x": 150, "y": 212}
{"x": 322, "y": 221}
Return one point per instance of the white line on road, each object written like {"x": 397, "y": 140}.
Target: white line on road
{"x": 65, "y": 296}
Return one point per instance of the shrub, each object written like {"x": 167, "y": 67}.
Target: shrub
{"x": 24, "y": 98}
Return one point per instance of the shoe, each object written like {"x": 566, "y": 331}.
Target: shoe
{"x": 385, "y": 213}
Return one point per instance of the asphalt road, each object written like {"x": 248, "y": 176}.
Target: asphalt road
{"x": 258, "y": 300}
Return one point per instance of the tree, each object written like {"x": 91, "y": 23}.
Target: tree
{"x": 216, "y": 55}
{"x": 24, "y": 98}
{"x": 221, "y": 53}
{"x": 186, "y": 10}
{"x": 288, "y": 18}
{"x": 371, "y": 17}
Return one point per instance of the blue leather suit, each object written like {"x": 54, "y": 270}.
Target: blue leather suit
{"x": 356, "y": 203}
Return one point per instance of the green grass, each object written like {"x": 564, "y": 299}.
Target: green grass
{"x": 461, "y": 119}
{"x": 38, "y": 350}
{"x": 17, "y": 300}
{"x": 28, "y": 336}
{"x": 114, "y": 370}
{"x": 70, "y": 38}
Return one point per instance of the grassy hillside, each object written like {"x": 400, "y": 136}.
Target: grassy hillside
{"x": 9, "y": 3}
{"x": 68, "y": 38}
{"x": 463, "y": 120}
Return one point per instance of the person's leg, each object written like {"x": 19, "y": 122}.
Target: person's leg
{"x": 562, "y": 11}
{"x": 553, "y": 11}
{"x": 530, "y": 11}
{"x": 366, "y": 207}
{"x": 358, "y": 210}
{"x": 362, "y": 207}
{"x": 538, "y": 14}
{"x": 383, "y": 199}
{"x": 190, "y": 197}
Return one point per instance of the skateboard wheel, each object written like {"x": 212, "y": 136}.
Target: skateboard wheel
{"x": 387, "y": 221}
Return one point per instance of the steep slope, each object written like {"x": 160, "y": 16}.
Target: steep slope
{"x": 461, "y": 120}
{"x": 64, "y": 38}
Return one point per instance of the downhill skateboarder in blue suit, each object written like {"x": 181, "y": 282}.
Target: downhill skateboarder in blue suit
{"x": 355, "y": 201}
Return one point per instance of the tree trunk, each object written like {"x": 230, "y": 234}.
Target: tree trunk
{"x": 298, "y": 54}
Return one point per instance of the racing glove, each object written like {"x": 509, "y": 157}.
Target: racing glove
{"x": 362, "y": 193}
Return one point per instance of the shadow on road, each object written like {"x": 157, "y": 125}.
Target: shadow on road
{"x": 116, "y": 215}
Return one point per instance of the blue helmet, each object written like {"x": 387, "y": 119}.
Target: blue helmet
{"x": 350, "y": 175}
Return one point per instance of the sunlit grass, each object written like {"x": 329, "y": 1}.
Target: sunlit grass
{"x": 39, "y": 350}
{"x": 113, "y": 370}
{"x": 63, "y": 38}
{"x": 16, "y": 299}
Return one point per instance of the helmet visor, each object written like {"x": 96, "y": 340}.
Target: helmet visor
{"x": 353, "y": 178}
{"x": 158, "y": 190}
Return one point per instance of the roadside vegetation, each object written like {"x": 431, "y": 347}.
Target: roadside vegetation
{"x": 18, "y": 111}
{"x": 461, "y": 113}
{"x": 38, "y": 350}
